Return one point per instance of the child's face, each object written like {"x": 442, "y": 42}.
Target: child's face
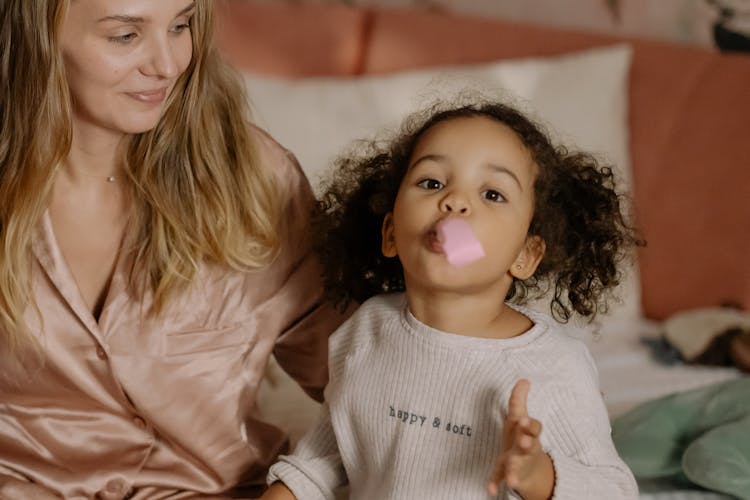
{"x": 478, "y": 169}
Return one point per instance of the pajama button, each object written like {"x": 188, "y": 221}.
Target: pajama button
{"x": 115, "y": 489}
{"x": 101, "y": 353}
{"x": 114, "y": 486}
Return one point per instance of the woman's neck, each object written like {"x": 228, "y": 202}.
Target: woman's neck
{"x": 93, "y": 155}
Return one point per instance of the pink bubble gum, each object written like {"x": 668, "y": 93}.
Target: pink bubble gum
{"x": 459, "y": 243}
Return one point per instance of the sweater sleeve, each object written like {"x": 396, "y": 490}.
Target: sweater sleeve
{"x": 577, "y": 437}
{"x": 315, "y": 469}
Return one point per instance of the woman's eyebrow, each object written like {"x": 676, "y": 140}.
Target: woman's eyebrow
{"x": 124, "y": 18}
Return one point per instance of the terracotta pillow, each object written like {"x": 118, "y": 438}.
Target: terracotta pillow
{"x": 290, "y": 40}
{"x": 693, "y": 177}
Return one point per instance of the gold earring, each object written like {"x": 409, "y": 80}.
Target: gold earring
{"x": 519, "y": 266}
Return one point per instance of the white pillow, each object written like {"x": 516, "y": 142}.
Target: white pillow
{"x": 580, "y": 97}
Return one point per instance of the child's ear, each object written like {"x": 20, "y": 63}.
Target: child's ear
{"x": 529, "y": 258}
{"x": 388, "y": 245}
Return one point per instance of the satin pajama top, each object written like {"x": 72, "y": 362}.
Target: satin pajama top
{"x": 133, "y": 406}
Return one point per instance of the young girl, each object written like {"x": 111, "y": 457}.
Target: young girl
{"x": 447, "y": 390}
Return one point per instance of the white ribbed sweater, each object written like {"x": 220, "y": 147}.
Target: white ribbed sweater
{"x": 415, "y": 413}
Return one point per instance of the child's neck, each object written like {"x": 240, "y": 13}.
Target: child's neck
{"x": 483, "y": 315}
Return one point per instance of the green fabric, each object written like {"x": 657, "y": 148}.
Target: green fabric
{"x": 701, "y": 435}
{"x": 720, "y": 459}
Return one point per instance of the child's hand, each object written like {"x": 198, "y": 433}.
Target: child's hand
{"x": 522, "y": 464}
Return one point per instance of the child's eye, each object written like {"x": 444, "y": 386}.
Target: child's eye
{"x": 493, "y": 195}
{"x": 431, "y": 184}
{"x": 123, "y": 38}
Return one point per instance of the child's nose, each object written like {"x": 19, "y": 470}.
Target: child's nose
{"x": 455, "y": 203}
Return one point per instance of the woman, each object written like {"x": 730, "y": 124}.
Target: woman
{"x": 153, "y": 254}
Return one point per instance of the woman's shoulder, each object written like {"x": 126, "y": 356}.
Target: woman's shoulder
{"x": 265, "y": 142}
{"x": 276, "y": 158}
{"x": 293, "y": 188}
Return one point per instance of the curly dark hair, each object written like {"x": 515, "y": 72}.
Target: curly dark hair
{"x": 577, "y": 213}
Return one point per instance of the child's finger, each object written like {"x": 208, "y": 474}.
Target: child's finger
{"x": 525, "y": 443}
{"x": 512, "y": 472}
{"x": 497, "y": 476}
{"x": 526, "y": 435}
{"x": 517, "y": 403}
{"x": 530, "y": 426}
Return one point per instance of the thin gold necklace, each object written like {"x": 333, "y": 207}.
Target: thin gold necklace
{"x": 108, "y": 178}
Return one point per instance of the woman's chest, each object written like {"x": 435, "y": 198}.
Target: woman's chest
{"x": 89, "y": 238}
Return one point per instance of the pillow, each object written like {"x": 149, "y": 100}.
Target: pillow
{"x": 701, "y": 435}
{"x": 718, "y": 460}
{"x": 260, "y": 36}
{"x": 581, "y": 97}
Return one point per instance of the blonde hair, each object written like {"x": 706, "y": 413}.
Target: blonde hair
{"x": 199, "y": 193}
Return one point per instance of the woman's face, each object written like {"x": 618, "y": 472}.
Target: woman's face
{"x": 122, "y": 59}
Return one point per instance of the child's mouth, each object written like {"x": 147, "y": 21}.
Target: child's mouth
{"x": 433, "y": 241}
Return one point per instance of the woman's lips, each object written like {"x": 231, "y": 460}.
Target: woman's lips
{"x": 150, "y": 96}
